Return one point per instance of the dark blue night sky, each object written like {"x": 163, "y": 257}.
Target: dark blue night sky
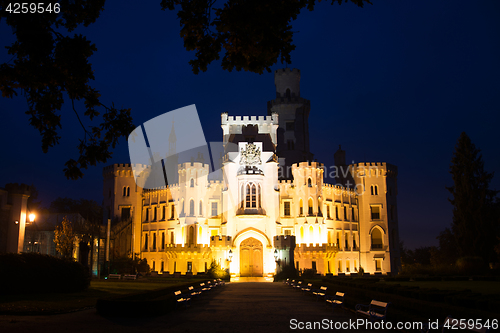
{"x": 396, "y": 82}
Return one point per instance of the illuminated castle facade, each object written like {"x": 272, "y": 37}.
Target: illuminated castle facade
{"x": 270, "y": 209}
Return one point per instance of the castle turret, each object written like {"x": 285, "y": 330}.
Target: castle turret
{"x": 293, "y": 111}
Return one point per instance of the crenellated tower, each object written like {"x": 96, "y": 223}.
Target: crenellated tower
{"x": 293, "y": 111}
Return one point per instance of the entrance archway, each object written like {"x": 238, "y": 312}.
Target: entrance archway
{"x": 251, "y": 258}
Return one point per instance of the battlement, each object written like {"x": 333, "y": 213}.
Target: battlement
{"x": 187, "y": 248}
{"x": 283, "y": 242}
{"x": 287, "y": 71}
{"x": 215, "y": 182}
{"x": 196, "y": 165}
{"x": 249, "y": 120}
{"x": 124, "y": 169}
{"x": 337, "y": 187}
{"x": 308, "y": 164}
{"x": 220, "y": 240}
{"x": 289, "y": 182}
{"x": 311, "y": 247}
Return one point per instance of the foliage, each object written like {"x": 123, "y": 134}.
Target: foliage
{"x": 48, "y": 63}
{"x": 308, "y": 273}
{"x": 475, "y": 225}
{"x": 36, "y": 273}
{"x": 446, "y": 253}
{"x": 471, "y": 265}
{"x": 286, "y": 272}
{"x": 216, "y": 272}
{"x": 126, "y": 265}
{"x": 251, "y": 34}
{"x": 64, "y": 238}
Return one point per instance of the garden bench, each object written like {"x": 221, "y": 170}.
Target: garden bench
{"x": 115, "y": 276}
{"x": 298, "y": 286}
{"x": 204, "y": 287}
{"x": 181, "y": 298}
{"x": 321, "y": 292}
{"x": 334, "y": 300}
{"x": 308, "y": 288}
{"x": 375, "y": 310}
{"x": 194, "y": 292}
{"x": 130, "y": 277}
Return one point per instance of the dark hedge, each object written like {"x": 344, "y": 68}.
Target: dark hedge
{"x": 38, "y": 273}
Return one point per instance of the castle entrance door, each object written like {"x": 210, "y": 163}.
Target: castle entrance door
{"x": 251, "y": 259}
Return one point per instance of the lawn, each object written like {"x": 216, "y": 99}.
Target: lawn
{"x": 52, "y": 303}
{"x": 483, "y": 287}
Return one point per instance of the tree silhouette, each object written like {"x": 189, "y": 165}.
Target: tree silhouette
{"x": 475, "y": 225}
{"x": 48, "y": 63}
{"x": 64, "y": 238}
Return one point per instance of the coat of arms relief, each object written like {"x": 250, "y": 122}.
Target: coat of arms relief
{"x": 251, "y": 155}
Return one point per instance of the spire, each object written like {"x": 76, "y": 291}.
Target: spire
{"x": 172, "y": 140}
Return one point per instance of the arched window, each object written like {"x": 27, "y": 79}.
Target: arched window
{"x": 287, "y": 93}
{"x": 201, "y": 208}
{"x": 242, "y": 197}
{"x": 260, "y": 196}
{"x": 146, "y": 242}
{"x": 376, "y": 239}
{"x": 372, "y": 190}
{"x": 311, "y": 234}
{"x": 191, "y": 235}
{"x": 254, "y": 196}
{"x": 191, "y": 207}
{"x": 302, "y": 234}
{"x": 310, "y": 212}
{"x": 301, "y": 208}
{"x": 248, "y": 197}
{"x": 124, "y": 191}
{"x": 191, "y": 182}
{"x": 154, "y": 241}
{"x": 309, "y": 182}
{"x": 128, "y": 191}
{"x": 376, "y": 189}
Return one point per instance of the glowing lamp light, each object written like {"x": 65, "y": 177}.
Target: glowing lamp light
{"x": 230, "y": 255}
{"x": 31, "y": 217}
{"x": 275, "y": 255}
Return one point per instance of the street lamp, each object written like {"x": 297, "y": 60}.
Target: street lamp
{"x": 31, "y": 217}
{"x": 275, "y": 255}
{"x": 230, "y": 255}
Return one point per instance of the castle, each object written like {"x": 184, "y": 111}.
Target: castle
{"x": 270, "y": 209}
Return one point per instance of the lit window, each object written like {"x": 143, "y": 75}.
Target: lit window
{"x": 376, "y": 238}
{"x": 254, "y": 196}
{"x": 214, "y": 208}
{"x": 375, "y": 212}
{"x": 191, "y": 208}
{"x": 301, "y": 208}
{"x": 310, "y": 206}
{"x": 287, "y": 208}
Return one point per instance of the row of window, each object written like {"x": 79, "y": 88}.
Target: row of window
{"x": 343, "y": 266}
{"x": 154, "y": 211}
{"x": 287, "y": 210}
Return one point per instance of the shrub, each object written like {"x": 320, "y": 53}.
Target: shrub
{"x": 36, "y": 273}
{"x": 216, "y": 272}
{"x": 126, "y": 265}
{"x": 287, "y": 272}
{"x": 470, "y": 265}
{"x": 308, "y": 273}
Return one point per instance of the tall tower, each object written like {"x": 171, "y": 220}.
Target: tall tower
{"x": 293, "y": 111}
